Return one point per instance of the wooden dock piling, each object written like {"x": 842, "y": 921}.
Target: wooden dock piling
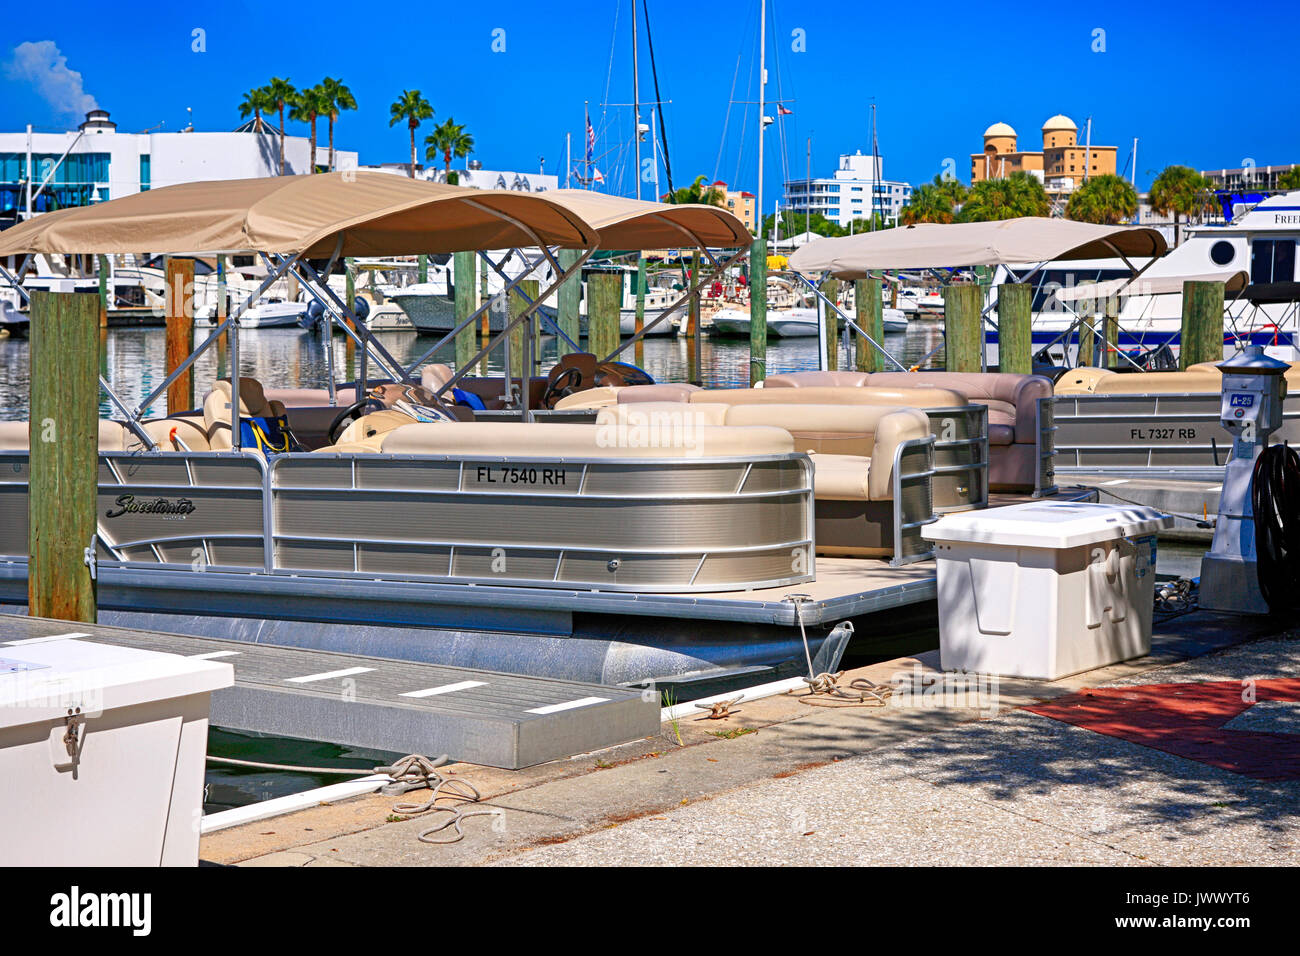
{"x": 180, "y": 333}
{"x": 831, "y": 289}
{"x": 758, "y": 311}
{"x": 1015, "y": 345}
{"x": 465, "y": 278}
{"x": 569, "y": 301}
{"x": 870, "y": 318}
{"x": 963, "y": 332}
{"x": 64, "y": 463}
{"x": 103, "y": 291}
{"x": 604, "y": 299}
{"x": 1202, "y": 332}
{"x": 517, "y": 337}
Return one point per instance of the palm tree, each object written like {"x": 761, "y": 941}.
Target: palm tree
{"x": 697, "y": 192}
{"x": 335, "y": 97}
{"x": 281, "y": 93}
{"x": 256, "y": 101}
{"x": 413, "y": 108}
{"x": 1289, "y": 180}
{"x": 307, "y": 107}
{"x": 1019, "y": 194}
{"x": 952, "y": 187}
{"x": 450, "y": 139}
{"x": 1106, "y": 200}
{"x": 1182, "y": 191}
{"x": 929, "y": 203}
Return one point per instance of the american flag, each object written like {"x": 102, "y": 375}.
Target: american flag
{"x": 782, "y": 111}
{"x": 591, "y": 138}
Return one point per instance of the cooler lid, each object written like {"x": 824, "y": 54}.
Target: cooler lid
{"x": 1048, "y": 524}
{"x": 42, "y": 679}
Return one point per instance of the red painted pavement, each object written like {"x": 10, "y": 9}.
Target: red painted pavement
{"x": 1187, "y": 720}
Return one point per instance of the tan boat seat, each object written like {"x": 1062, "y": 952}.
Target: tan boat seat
{"x": 835, "y": 395}
{"x": 1198, "y": 379}
{"x": 435, "y": 375}
{"x": 176, "y": 433}
{"x": 374, "y": 425}
{"x": 216, "y": 409}
{"x": 860, "y": 432}
{"x": 526, "y": 440}
{"x": 113, "y": 436}
{"x": 599, "y": 397}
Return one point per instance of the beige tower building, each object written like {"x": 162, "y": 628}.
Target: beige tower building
{"x": 1060, "y": 165}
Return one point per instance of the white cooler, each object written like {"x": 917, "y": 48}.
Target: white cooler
{"x": 133, "y": 794}
{"x": 1045, "y": 589}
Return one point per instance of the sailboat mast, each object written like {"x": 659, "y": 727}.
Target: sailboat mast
{"x": 762, "y": 105}
{"x": 875, "y": 174}
{"x": 636, "y": 105}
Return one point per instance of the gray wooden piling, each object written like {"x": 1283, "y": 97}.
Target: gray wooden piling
{"x": 871, "y": 319}
{"x": 604, "y": 300}
{"x": 758, "y": 311}
{"x": 569, "y": 300}
{"x": 1015, "y": 346}
{"x": 831, "y": 289}
{"x": 464, "y": 275}
{"x": 963, "y": 333}
{"x": 1202, "y": 333}
{"x": 64, "y": 462}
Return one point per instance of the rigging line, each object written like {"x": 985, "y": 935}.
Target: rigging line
{"x": 744, "y": 127}
{"x": 654, "y": 73}
{"x": 726, "y": 120}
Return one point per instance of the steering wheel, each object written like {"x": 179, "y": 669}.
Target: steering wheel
{"x": 566, "y": 383}
{"x": 349, "y": 415}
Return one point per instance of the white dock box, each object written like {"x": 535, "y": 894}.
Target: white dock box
{"x": 1045, "y": 589}
{"x": 133, "y": 793}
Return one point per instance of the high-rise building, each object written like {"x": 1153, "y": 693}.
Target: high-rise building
{"x": 856, "y": 190}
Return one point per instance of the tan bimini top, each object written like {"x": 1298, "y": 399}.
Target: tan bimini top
{"x": 1005, "y": 242}
{"x": 376, "y": 214}
{"x": 636, "y": 224}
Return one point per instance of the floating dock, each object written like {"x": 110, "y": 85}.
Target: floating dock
{"x": 498, "y": 720}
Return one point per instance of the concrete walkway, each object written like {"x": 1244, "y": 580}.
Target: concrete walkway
{"x": 924, "y": 781}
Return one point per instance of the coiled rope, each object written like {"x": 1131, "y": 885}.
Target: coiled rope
{"x": 824, "y": 689}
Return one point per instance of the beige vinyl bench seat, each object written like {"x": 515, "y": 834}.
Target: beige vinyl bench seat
{"x": 116, "y": 436}
{"x": 1201, "y": 378}
{"x": 830, "y": 432}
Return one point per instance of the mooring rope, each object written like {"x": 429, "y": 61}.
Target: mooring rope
{"x": 415, "y": 772}
{"x": 869, "y": 693}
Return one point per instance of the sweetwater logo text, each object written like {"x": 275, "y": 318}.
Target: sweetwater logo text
{"x": 162, "y": 507}
{"x": 74, "y": 909}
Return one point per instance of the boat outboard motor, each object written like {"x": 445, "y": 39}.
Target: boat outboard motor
{"x": 361, "y": 306}
{"x": 1254, "y": 563}
{"x": 315, "y": 314}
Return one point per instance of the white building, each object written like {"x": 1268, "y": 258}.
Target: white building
{"x": 95, "y": 162}
{"x": 856, "y": 190}
{"x": 476, "y": 177}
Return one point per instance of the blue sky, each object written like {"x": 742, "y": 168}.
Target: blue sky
{"x": 1191, "y": 91}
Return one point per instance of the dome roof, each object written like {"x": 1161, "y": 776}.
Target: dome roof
{"x": 999, "y": 129}
{"x": 1059, "y": 121}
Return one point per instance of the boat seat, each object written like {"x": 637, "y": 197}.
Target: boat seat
{"x": 252, "y": 403}
{"x": 113, "y": 436}
{"x": 175, "y": 433}
{"x": 1198, "y": 379}
{"x": 835, "y": 395}
{"x": 599, "y": 397}
{"x": 527, "y": 440}
{"x": 435, "y": 375}
{"x": 374, "y": 425}
{"x": 860, "y": 432}
{"x": 575, "y": 373}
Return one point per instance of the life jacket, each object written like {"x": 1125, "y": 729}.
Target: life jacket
{"x": 267, "y": 433}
